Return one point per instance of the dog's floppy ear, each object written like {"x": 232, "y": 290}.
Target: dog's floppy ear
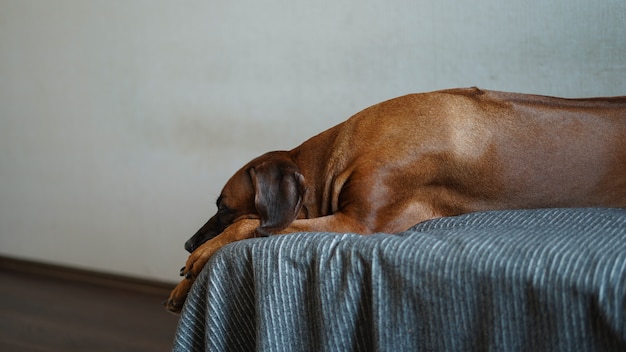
{"x": 279, "y": 189}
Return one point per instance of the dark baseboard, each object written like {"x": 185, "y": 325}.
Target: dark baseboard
{"x": 59, "y": 272}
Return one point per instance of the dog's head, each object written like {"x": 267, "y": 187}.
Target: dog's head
{"x": 269, "y": 188}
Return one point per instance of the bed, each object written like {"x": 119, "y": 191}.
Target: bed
{"x": 523, "y": 280}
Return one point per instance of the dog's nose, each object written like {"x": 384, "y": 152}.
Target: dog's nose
{"x": 189, "y": 246}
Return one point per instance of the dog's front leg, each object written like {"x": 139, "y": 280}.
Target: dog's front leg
{"x": 239, "y": 230}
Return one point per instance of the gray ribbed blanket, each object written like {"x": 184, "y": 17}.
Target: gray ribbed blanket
{"x": 530, "y": 280}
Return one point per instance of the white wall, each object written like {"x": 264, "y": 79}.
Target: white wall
{"x": 121, "y": 120}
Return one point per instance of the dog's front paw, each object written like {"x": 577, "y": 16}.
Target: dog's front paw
{"x": 196, "y": 261}
{"x": 178, "y": 296}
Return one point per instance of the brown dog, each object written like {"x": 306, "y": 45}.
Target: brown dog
{"x": 420, "y": 157}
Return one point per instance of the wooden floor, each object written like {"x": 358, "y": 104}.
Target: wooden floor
{"x": 46, "y": 308}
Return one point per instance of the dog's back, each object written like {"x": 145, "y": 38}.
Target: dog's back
{"x": 464, "y": 150}
{"x": 553, "y": 152}
{"x": 563, "y": 152}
